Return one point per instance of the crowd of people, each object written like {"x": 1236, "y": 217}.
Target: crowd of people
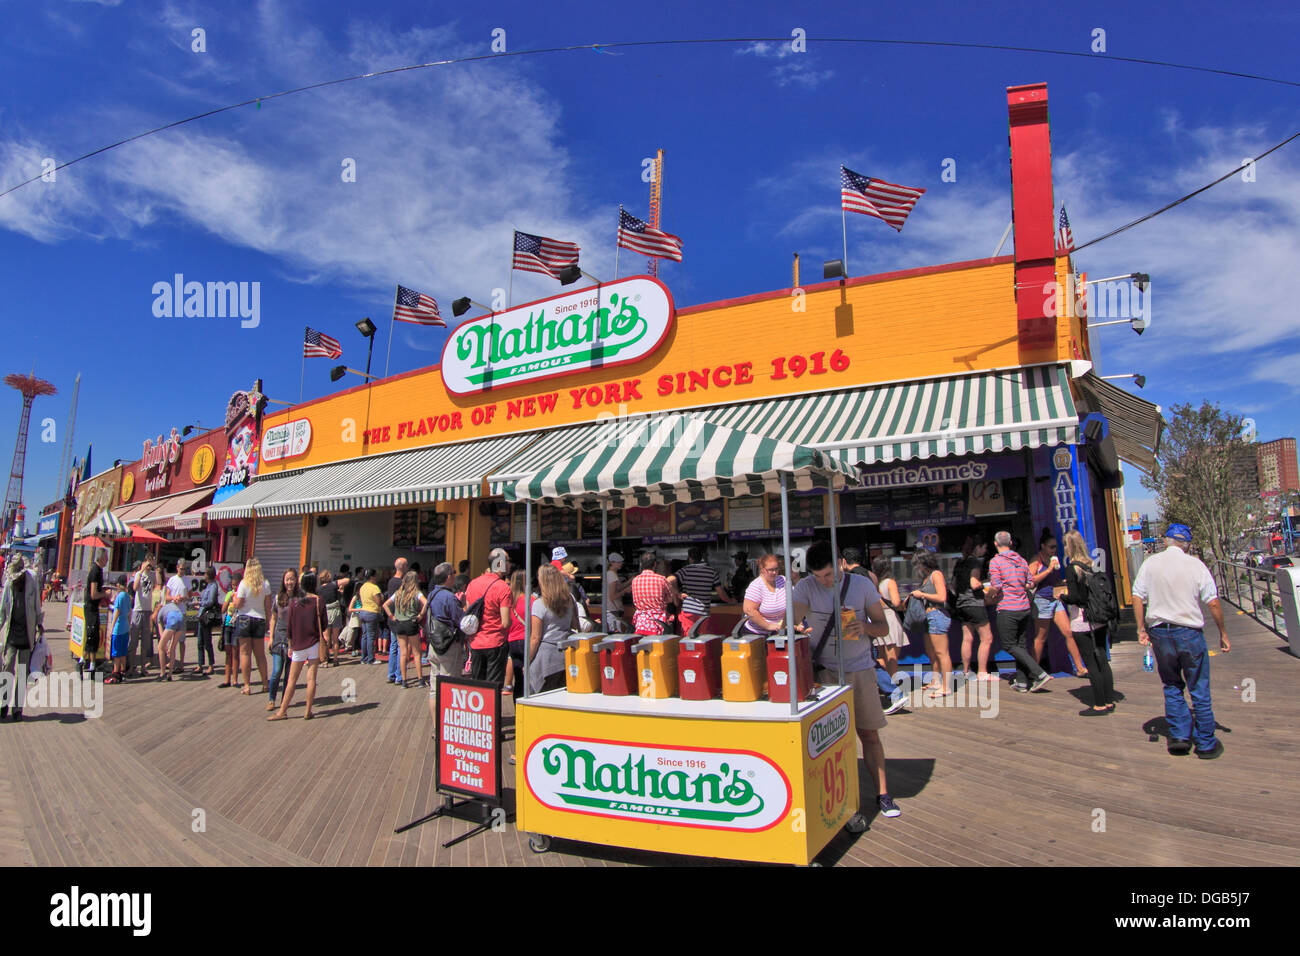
{"x": 483, "y": 626}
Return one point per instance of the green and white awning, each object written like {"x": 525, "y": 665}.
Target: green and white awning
{"x": 669, "y": 458}
{"x": 957, "y": 415}
{"x": 106, "y": 524}
{"x": 404, "y": 478}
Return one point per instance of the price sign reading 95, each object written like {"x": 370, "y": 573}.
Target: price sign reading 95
{"x": 469, "y": 738}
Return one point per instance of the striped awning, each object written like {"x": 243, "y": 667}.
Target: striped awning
{"x": 1135, "y": 423}
{"x": 956, "y": 415}
{"x": 176, "y": 505}
{"x": 105, "y": 524}
{"x": 669, "y": 458}
{"x": 416, "y": 477}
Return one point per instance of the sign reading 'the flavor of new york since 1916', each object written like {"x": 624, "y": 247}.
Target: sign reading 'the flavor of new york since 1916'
{"x": 600, "y": 327}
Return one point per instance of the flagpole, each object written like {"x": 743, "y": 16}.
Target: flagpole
{"x": 510, "y": 280}
{"x": 391, "y": 324}
{"x": 844, "y": 225}
{"x": 620, "y": 226}
{"x": 302, "y": 371}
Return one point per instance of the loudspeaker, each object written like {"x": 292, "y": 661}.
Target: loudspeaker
{"x": 322, "y": 520}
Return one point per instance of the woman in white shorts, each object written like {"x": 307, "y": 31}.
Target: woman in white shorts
{"x": 304, "y": 646}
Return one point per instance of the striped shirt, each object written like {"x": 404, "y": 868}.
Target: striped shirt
{"x": 698, "y": 584}
{"x": 1009, "y": 572}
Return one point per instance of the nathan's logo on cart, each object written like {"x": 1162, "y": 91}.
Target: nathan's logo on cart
{"x": 827, "y": 729}
{"x": 728, "y": 790}
{"x": 603, "y": 326}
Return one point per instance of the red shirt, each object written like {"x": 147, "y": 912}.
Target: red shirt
{"x": 517, "y": 619}
{"x": 495, "y": 592}
{"x": 651, "y": 595}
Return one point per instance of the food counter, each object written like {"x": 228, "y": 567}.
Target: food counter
{"x": 748, "y": 781}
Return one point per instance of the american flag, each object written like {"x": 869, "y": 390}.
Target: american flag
{"x": 416, "y": 308}
{"x": 1065, "y": 237}
{"x": 646, "y": 239}
{"x": 539, "y": 254}
{"x": 319, "y": 344}
{"x": 875, "y": 197}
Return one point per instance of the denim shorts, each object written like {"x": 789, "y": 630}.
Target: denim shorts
{"x": 173, "y": 618}
{"x": 1047, "y": 607}
{"x": 938, "y": 621}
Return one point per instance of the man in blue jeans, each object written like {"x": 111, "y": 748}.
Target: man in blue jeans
{"x": 1167, "y": 598}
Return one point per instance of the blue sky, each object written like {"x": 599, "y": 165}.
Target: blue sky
{"x": 450, "y": 160}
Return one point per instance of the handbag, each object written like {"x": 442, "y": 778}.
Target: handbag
{"x": 915, "y": 614}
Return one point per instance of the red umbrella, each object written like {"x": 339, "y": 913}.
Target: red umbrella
{"x": 141, "y": 534}
{"x": 91, "y": 542}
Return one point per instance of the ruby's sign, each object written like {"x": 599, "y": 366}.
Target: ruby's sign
{"x": 160, "y": 453}
{"x": 600, "y": 327}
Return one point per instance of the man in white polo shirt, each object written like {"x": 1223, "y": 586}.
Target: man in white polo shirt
{"x": 1167, "y": 598}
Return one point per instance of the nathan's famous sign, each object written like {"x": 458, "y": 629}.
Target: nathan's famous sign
{"x": 598, "y": 327}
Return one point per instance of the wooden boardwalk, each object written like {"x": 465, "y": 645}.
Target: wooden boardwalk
{"x": 189, "y": 773}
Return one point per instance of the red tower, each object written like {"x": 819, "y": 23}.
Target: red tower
{"x": 30, "y": 386}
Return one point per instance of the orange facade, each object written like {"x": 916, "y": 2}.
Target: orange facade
{"x": 925, "y": 323}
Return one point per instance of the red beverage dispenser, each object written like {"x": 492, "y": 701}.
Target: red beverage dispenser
{"x": 699, "y": 667}
{"x": 618, "y": 665}
{"x": 778, "y": 668}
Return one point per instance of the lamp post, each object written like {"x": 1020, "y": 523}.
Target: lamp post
{"x": 366, "y": 328}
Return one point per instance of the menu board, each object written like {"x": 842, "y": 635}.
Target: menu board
{"x": 746, "y": 514}
{"x": 518, "y": 526}
{"x": 986, "y": 497}
{"x": 405, "y": 524}
{"x": 927, "y": 506}
{"x": 559, "y": 523}
{"x": 433, "y": 530}
{"x": 805, "y": 510}
{"x": 590, "y": 521}
{"x": 699, "y": 517}
{"x": 639, "y": 522}
{"x": 864, "y": 507}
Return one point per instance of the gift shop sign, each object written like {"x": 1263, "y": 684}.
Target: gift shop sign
{"x": 469, "y": 738}
{"x": 659, "y": 784}
{"x": 599, "y": 327}
{"x": 286, "y": 441}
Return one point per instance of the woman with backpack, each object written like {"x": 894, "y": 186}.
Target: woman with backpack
{"x": 1091, "y": 638}
{"x": 406, "y": 609}
{"x": 934, "y": 592}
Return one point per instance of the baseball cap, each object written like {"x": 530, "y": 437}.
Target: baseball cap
{"x": 559, "y": 554}
{"x": 570, "y": 568}
{"x": 1179, "y": 531}
{"x": 615, "y": 556}
{"x": 498, "y": 560}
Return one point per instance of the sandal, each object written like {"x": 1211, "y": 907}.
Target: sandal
{"x": 227, "y": 684}
{"x": 277, "y": 716}
{"x": 245, "y": 691}
{"x": 308, "y": 716}
{"x": 939, "y": 693}
{"x": 270, "y": 705}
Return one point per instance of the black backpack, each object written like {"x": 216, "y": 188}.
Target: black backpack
{"x": 1102, "y": 608}
{"x": 441, "y": 635}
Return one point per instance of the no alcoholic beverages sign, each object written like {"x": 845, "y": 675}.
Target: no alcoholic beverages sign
{"x": 469, "y": 738}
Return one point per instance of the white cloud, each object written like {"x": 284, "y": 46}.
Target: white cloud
{"x": 787, "y": 72}
{"x": 448, "y": 162}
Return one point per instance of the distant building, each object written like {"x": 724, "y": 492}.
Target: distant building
{"x": 1246, "y": 475}
{"x": 1278, "y": 469}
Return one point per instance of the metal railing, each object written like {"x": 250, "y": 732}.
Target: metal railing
{"x": 1253, "y": 590}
